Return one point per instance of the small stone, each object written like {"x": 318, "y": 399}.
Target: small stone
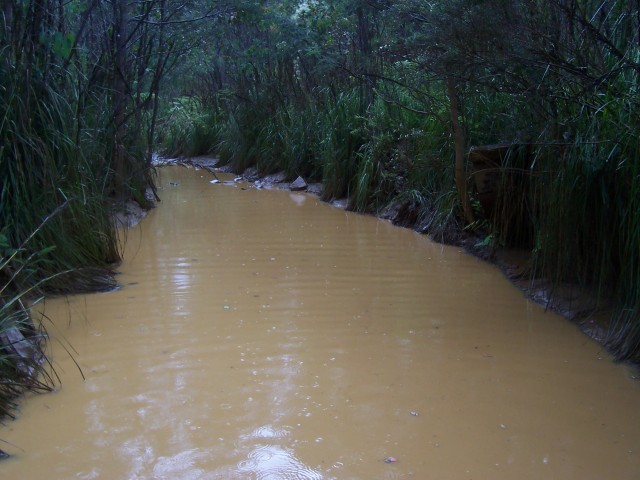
{"x": 298, "y": 184}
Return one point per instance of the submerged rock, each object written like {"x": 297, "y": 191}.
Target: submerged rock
{"x": 129, "y": 214}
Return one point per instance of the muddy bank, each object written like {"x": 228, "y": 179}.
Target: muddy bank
{"x": 570, "y": 301}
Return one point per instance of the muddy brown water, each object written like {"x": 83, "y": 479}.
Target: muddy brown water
{"x": 266, "y": 335}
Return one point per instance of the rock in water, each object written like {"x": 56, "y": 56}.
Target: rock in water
{"x": 298, "y": 184}
{"x": 26, "y": 351}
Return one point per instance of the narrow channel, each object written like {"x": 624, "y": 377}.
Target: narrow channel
{"x": 267, "y": 335}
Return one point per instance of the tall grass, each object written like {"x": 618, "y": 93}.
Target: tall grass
{"x": 188, "y": 128}
{"x": 291, "y": 141}
{"x": 42, "y": 168}
{"x": 341, "y": 137}
{"x": 569, "y": 190}
{"x": 588, "y": 210}
{"x": 239, "y": 138}
{"x": 373, "y": 158}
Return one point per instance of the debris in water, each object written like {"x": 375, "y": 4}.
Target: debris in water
{"x": 413, "y": 414}
{"x": 390, "y": 460}
{"x": 174, "y": 184}
{"x": 215, "y": 180}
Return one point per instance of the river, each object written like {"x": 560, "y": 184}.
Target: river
{"x": 267, "y": 335}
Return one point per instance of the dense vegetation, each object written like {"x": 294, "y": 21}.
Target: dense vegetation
{"x": 380, "y": 100}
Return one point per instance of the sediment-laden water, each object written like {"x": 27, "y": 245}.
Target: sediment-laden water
{"x": 266, "y": 335}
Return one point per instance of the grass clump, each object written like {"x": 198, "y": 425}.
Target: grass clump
{"x": 188, "y": 129}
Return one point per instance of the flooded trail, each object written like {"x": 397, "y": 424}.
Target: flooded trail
{"x": 266, "y": 335}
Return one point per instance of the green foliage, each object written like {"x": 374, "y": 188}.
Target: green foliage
{"x": 188, "y": 129}
{"x": 588, "y": 210}
{"x": 339, "y": 144}
{"x": 241, "y": 138}
{"x": 42, "y": 169}
{"x": 61, "y": 45}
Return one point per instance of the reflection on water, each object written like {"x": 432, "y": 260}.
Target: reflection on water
{"x": 298, "y": 198}
{"x": 265, "y": 335}
{"x": 271, "y": 460}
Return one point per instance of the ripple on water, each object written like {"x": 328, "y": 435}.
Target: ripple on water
{"x": 268, "y": 431}
{"x": 180, "y": 466}
{"x": 269, "y": 462}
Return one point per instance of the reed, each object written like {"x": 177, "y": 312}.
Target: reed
{"x": 569, "y": 190}
{"x": 407, "y": 162}
{"x": 237, "y": 135}
{"x": 302, "y": 138}
{"x": 187, "y": 129}
{"x": 292, "y": 139}
{"x": 341, "y": 139}
{"x": 43, "y": 168}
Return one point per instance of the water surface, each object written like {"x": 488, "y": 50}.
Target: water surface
{"x": 266, "y": 335}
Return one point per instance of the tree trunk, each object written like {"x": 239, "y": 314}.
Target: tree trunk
{"x": 459, "y": 145}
